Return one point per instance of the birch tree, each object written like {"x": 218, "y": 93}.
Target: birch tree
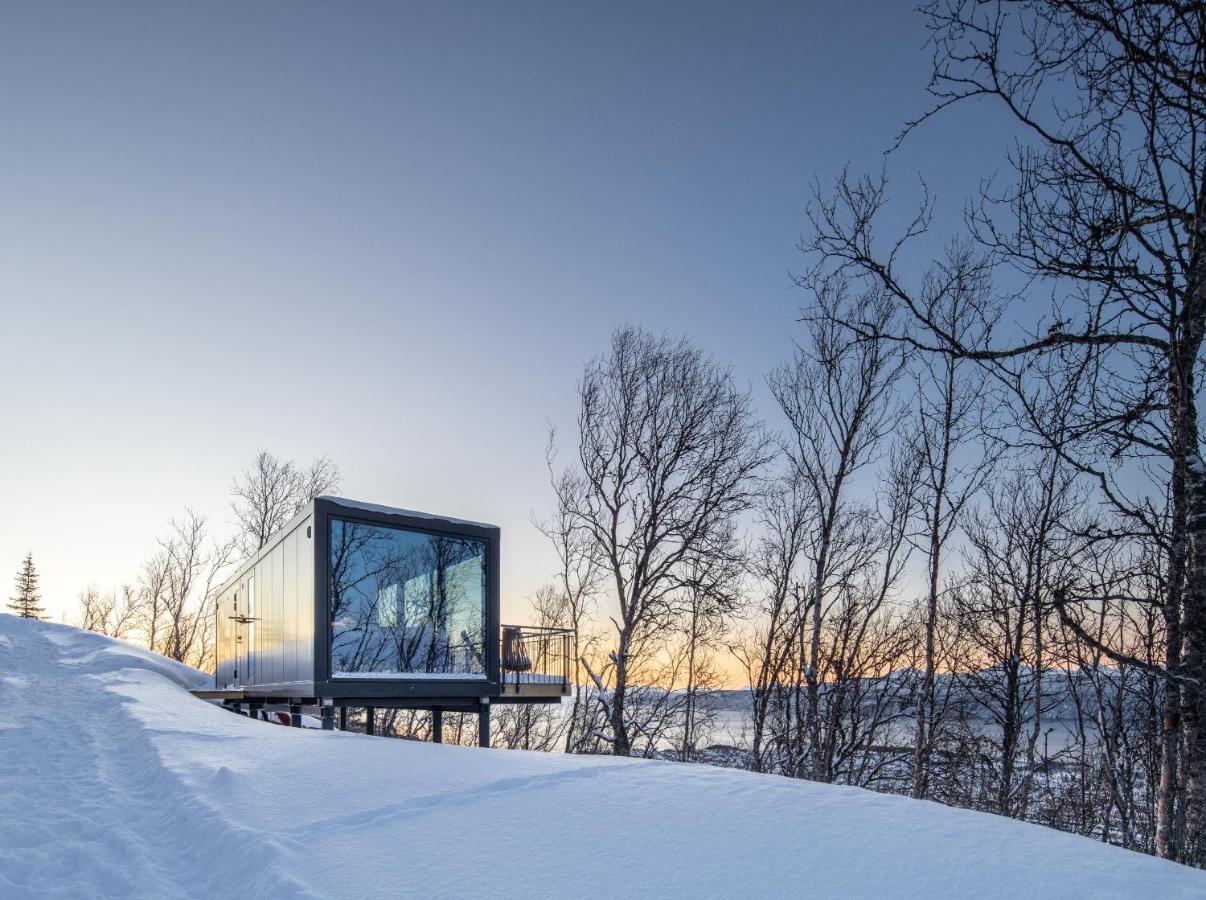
{"x": 1017, "y": 549}
{"x": 272, "y": 491}
{"x": 836, "y": 394}
{"x": 954, "y": 453}
{"x": 571, "y": 601}
{"x": 668, "y": 454}
{"x": 173, "y": 608}
{"x": 1104, "y": 220}
{"x": 711, "y": 599}
{"x": 112, "y": 613}
{"x": 767, "y": 652}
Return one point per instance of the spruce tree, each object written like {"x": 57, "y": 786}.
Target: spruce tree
{"x": 27, "y": 601}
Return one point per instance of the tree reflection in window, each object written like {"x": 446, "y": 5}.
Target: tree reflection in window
{"x": 405, "y": 601}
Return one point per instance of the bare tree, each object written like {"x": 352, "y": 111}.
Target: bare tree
{"x": 152, "y": 600}
{"x": 112, "y": 613}
{"x": 528, "y": 726}
{"x": 1017, "y": 552}
{"x": 572, "y": 600}
{"x": 711, "y": 598}
{"x": 955, "y": 454}
{"x": 173, "y": 607}
{"x": 837, "y": 396}
{"x": 767, "y": 652}
{"x": 1118, "y": 707}
{"x": 865, "y": 647}
{"x": 272, "y": 491}
{"x": 667, "y": 456}
{"x": 865, "y": 642}
{"x": 1107, "y": 213}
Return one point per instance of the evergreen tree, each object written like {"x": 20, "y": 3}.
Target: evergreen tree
{"x": 27, "y": 600}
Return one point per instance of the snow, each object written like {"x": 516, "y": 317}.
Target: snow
{"x": 115, "y": 782}
{"x": 396, "y": 511}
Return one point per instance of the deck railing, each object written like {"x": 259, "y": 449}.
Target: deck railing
{"x": 531, "y": 655}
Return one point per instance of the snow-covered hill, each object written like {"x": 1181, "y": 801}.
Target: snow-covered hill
{"x": 115, "y": 782}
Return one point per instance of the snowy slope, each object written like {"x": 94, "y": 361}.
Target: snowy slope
{"x": 114, "y": 782}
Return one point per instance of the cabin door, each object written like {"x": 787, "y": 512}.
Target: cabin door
{"x": 239, "y": 621}
{"x": 249, "y": 634}
{"x": 243, "y": 616}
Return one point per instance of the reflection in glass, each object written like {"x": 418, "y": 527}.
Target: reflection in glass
{"x": 405, "y": 601}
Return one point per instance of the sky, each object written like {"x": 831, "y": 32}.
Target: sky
{"x": 394, "y": 234}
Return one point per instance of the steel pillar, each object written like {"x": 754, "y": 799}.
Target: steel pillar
{"x": 483, "y": 723}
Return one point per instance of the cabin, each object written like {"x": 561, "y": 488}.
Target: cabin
{"x": 357, "y": 605}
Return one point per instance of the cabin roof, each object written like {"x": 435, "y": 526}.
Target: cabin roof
{"x": 398, "y": 511}
{"x": 351, "y": 506}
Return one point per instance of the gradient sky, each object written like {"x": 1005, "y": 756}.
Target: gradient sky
{"x": 394, "y": 233}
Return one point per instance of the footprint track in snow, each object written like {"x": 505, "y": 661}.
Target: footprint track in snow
{"x": 95, "y": 812}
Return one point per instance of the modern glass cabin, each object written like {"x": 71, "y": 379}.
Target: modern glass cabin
{"x": 353, "y": 604}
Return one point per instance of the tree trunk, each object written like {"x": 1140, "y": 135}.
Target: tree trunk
{"x": 925, "y": 698}
{"x": 1167, "y": 845}
{"x": 689, "y": 711}
{"x": 1189, "y": 487}
{"x": 620, "y": 744}
{"x": 923, "y": 738}
{"x": 813, "y": 725}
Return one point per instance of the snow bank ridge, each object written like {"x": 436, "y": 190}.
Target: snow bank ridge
{"x": 115, "y": 782}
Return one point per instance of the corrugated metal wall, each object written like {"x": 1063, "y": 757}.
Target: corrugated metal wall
{"x": 281, "y": 638}
{"x": 224, "y": 645}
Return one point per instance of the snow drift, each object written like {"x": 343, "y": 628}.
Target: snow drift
{"x": 115, "y": 782}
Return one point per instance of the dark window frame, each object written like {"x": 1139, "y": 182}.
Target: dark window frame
{"x": 324, "y": 510}
{"x": 476, "y": 600}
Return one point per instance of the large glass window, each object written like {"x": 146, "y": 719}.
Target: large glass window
{"x": 405, "y": 602}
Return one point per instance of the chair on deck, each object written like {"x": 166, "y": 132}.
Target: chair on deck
{"x": 514, "y": 656}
